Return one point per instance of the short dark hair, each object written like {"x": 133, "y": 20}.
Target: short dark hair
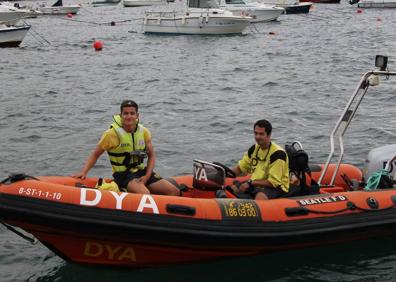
{"x": 128, "y": 103}
{"x": 263, "y": 123}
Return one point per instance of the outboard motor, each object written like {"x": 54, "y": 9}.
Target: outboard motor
{"x": 377, "y": 160}
{"x": 208, "y": 176}
{"x": 352, "y": 2}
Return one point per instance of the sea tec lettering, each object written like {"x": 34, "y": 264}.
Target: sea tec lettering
{"x": 322, "y": 200}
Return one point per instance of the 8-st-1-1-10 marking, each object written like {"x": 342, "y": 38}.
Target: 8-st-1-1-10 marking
{"x": 39, "y": 193}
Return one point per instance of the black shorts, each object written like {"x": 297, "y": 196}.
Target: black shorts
{"x": 271, "y": 193}
{"x": 123, "y": 178}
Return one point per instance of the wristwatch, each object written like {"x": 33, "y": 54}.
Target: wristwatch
{"x": 249, "y": 182}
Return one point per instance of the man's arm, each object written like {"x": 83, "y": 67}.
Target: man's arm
{"x": 262, "y": 183}
{"x": 237, "y": 170}
{"x": 91, "y": 161}
{"x": 150, "y": 161}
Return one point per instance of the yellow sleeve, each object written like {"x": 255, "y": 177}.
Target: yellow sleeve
{"x": 244, "y": 164}
{"x": 276, "y": 172}
{"x": 109, "y": 140}
{"x": 147, "y": 135}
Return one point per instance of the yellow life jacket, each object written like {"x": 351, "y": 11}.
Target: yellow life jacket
{"x": 259, "y": 168}
{"x": 130, "y": 153}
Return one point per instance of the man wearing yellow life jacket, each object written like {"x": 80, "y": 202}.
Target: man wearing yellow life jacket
{"x": 128, "y": 143}
{"x": 268, "y": 165}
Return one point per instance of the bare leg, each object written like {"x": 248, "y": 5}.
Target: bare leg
{"x": 164, "y": 187}
{"x": 261, "y": 196}
{"x": 134, "y": 186}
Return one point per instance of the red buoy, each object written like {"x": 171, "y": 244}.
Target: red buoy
{"x": 98, "y": 45}
{"x": 359, "y": 11}
{"x": 69, "y": 15}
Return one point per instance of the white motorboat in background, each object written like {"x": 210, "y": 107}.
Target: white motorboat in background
{"x": 290, "y": 6}
{"x": 59, "y": 9}
{"x": 10, "y": 15}
{"x": 257, "y": 11}
{"x": 374, "y": 3}
{"x": 199, "y": 17}
{"x": 12, "y": 36}
{"x": 28, "y": 11}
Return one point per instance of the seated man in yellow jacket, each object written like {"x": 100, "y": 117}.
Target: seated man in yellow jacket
{"x": 268, "y": 165}
{"x": 128, "y": 143}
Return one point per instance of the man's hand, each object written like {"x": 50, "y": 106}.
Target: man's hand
{"x": 81, "y": 175}
{"x": 143, "y": 179}
{"x": 244, "y": 186}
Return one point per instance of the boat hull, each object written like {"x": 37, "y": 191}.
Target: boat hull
{"x": 195, "y": 25}
{"x": 376, "y": 4}
{"x": 99, "y": 3}
{"x": 258, "y": 15}
{"x": 140, "y": 3}
{"x": 60, "y": 10}
{"x": 12, "y": 36}
{"x": 11, "y": 18}
{"x": 92, "y": 226}
{"x": 323, "y": 1}
{"x": 131, "y": 232}
{"x": 302, "y": 8}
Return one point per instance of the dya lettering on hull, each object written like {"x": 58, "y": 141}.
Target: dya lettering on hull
{"x": 93, "y": 197}
{"x": 109, "y": 252}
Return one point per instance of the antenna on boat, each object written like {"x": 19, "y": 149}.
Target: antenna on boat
{"x": 370, "y": 78}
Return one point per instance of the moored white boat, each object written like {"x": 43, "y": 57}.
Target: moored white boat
{"x": 257, "y": 11}
{"x": 195, "y": 21}
{"x": 374, "y": 3}
{"x": 59, "y": 9}
{"x": 10, "y": 15}
{"x": 290, "y": 6}
{"x": 12, "y": 36}
{"x": 28, "y": 12}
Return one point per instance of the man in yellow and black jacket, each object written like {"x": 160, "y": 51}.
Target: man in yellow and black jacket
{"x": 128, "y": 143}
{"x": 268, "y": 165}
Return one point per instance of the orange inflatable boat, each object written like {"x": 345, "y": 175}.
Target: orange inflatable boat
{"x": 87, "y": 225}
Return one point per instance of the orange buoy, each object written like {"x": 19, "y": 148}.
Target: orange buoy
{"x": 69, "y": 15}
{"x": 98, "y": 45}
{"x": 359, "y": 11}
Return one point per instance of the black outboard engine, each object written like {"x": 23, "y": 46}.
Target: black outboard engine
{"x": 208, "y": 176}
{"x": 352, "y": 2}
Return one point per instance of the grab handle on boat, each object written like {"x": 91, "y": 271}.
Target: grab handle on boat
{"x": 296, "y": 211}
{"x": 180, "y": 209}
{"x": 14, "y": 177}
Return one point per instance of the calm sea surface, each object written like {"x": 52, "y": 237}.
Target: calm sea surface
{"x": 199, "y": 96}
